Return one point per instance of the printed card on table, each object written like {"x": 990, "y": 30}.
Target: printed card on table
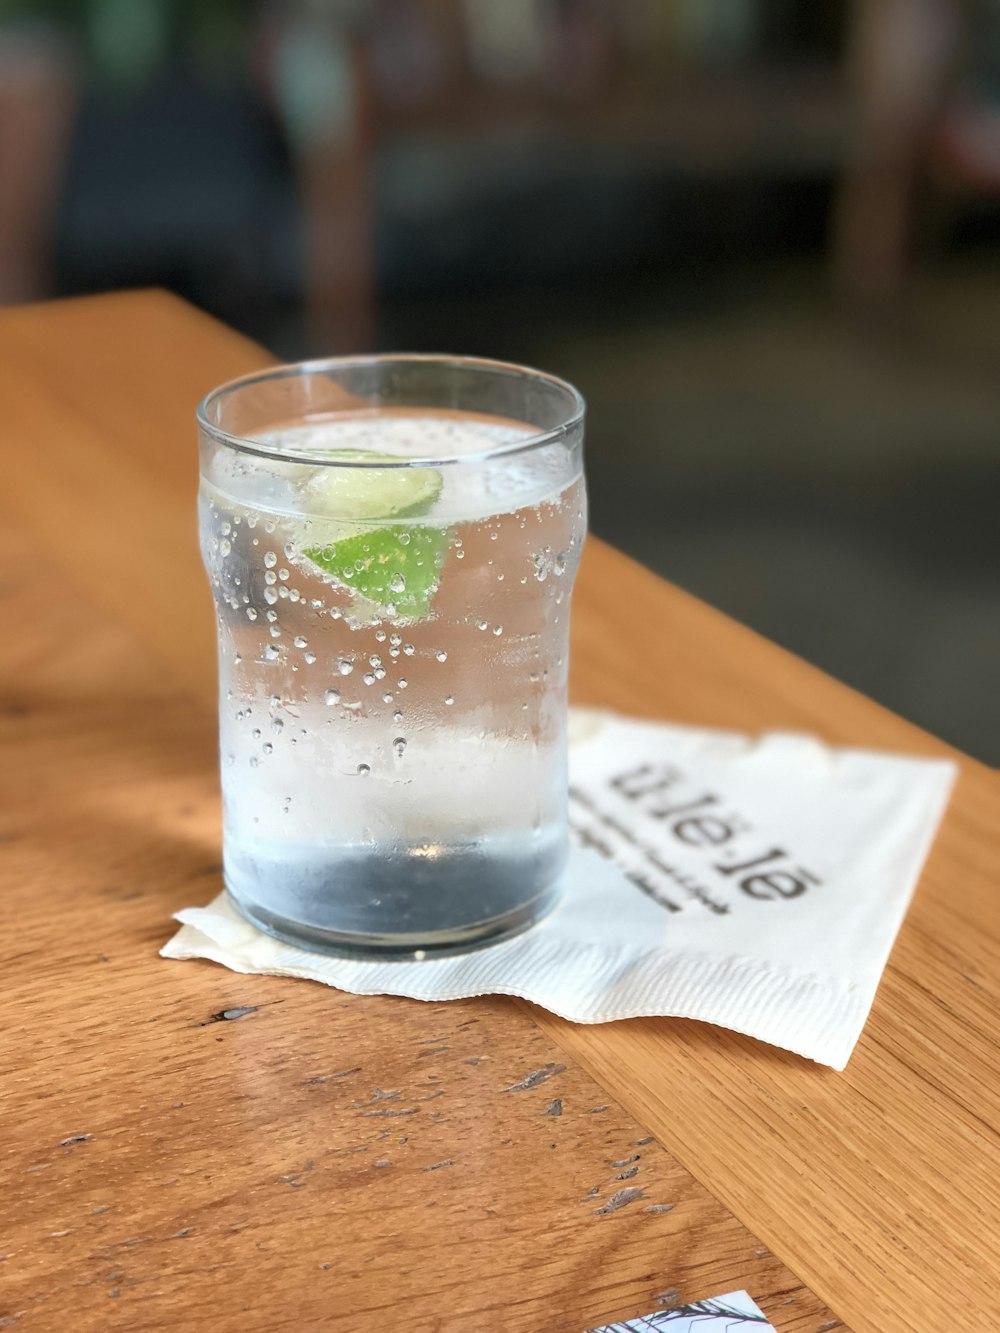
{"x": 722, "y": 1314}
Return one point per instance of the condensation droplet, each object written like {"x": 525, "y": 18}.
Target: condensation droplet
{"x": 332, "y": 697}
{"x": 364, "y": 770}
{"x": 345, "y": 668}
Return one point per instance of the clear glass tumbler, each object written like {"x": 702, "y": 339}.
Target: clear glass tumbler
{"x": 391, "y": 543}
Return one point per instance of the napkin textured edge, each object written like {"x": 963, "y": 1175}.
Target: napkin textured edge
{"x": 803, "y": 1014}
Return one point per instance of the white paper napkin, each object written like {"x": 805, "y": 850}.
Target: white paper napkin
{"x": 756, "y": 883}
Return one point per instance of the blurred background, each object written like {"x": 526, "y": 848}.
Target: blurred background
{"x": 762, "y": 236}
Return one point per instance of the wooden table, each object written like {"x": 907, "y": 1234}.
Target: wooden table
{"x": 186, "y": 1148}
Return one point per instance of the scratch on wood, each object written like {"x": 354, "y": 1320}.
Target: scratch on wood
{"x": 641, "y": 1143}
{"x": 670, "y": 1297}
{"x": 230, "y": 1015}
{"x": 179, "y": 1235}
{"x": 627, "y": 1174}
{"x": 659, "y": 1208}
{"x": 620, "y": 1199}
{"x": 554, "y": 1107}
{"x": 596, "y": 1110}
{"x": 472, "y": 1060}
{"x": 536, "y": 1077}
{"x": 75, "y": 1138}
{"x": 627, "y": 1161}
{"x": 403, "y": 1110}
{"x": 327, "y": 1078}
{"x": 438, "y": 1165}
{"x": 830, "y": 1323}
{"x": 101, "y": 1208}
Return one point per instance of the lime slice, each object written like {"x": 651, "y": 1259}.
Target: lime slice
{"x": 395, "y": 566}
{"x": 360, "y": 494}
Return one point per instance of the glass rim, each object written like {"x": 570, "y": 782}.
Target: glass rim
{"x": 247, "y": 444}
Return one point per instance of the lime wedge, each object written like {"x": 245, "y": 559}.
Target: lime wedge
{"x": 396, "y": 566}
{"x": 359, "y": 494}
{"x": 393, "y": 565}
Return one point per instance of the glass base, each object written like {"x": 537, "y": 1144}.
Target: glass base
{"x": 388, "y": 945}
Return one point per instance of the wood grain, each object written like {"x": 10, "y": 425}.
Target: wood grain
{"x": 188, "y": 1148}
{"x": 876, "y": 1186}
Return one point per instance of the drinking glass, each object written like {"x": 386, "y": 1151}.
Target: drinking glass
{"x": 391, "y": 543}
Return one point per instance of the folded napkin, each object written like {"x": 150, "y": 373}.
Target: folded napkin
{"x": 753, "y": 882}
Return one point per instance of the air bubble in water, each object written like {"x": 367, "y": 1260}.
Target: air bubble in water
{"x": 379, "y": 673}
{"x": 408, "y": 649}
{"x": 225, "y": 546}
{"x": 270, "y": 560}
{"x": 254, "y": 761}
{"x": 449, "y": 700}
{"x": 375, "y": 660}
{"x": 364, "y": 770}
{"x": 267, "y": 747}
{"x": 251, "y": 613}
{"x": 270, "y": 596}
{"x": 395, "y": 640}
{"x": 332, "y": 697}
{"x": 271, "y": 653}
{"x": 368, "y": 678}
{"x": 397, "y": 715}
{"x": 380, "y": 636}
{"x": 345, "y": 668}
{"x": 401, "y": 683}
{"x": 277, "y": 726}
{"x": 272, "y": 616}
{"x": 387, "y": 698}
{"x": 256, "y": 733}
{"x": 299, "y": 641}
{"x": 482, "y": 624}
{"x": 498, "y": 630}
{"x": 397, "y": 583}
{"x": 283, "y": 574}
{"x": 441, "y": 655}
{"x": 309, "y": 658}
{"x": 399, "y": 744}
